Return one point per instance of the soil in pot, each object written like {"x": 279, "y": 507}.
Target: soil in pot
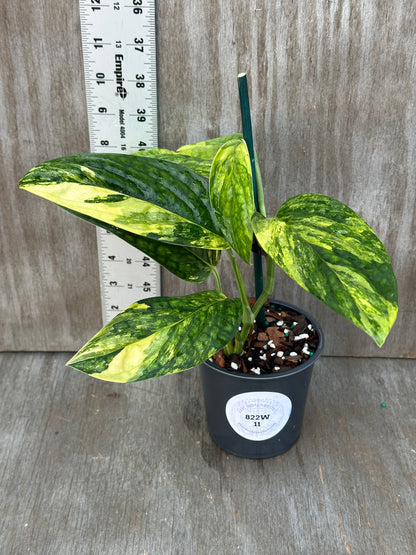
{"x": 288, "y": 340}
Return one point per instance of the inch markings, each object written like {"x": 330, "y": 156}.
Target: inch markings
{"x": 119, "y": 52}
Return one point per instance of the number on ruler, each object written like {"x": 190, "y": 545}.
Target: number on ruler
{"x": 137, "y": 3}
{"x": 141, "y": 117}
{"x": 140, "y": 84}
{"x": 100, "y": 78}
{"x": 139, "y": 41}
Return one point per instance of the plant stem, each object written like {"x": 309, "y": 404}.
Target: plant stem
{"x": 248, "y": 316}
{"x": 217, "y": 280}
{"x": 260, "y": 192}
{"x": 268, "y": 288}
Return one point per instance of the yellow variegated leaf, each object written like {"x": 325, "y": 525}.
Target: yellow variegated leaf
{"x": 197, "y": 157}
{"x": 231, "y": 193}
{"x": 159, "y": 336}
{"x": 202, "y": 166}
{"x": 332, "y": 253}
{"x": 206, "y": 150}
{"x": 152, "y": 198}
{"x": 188, "y": 263}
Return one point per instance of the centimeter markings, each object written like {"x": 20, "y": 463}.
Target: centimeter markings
{"x": 119, "y": 51}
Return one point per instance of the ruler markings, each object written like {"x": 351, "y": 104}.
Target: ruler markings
{"x": 119, "y": 51}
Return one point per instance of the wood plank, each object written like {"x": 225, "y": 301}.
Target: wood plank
{"x": 91, "y": 467}
{"x": 332, "y": 114}
{"x": 49, "y": 297}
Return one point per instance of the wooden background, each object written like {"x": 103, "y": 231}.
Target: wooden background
{"x": 332, "y": 87}
{"x": 97, "y": 468}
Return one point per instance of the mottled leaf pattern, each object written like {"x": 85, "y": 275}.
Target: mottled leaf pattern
{"x": 332, "y": 253}
{"x": 206, "y": 150}
{"x": 198, "y": 165}
{"x": 188, "y": 263}
{"x": 197, "y": 157}
{"x": 231, "y": 193}
{"x": 159, "y": 336}
{"x": 152, "y": 198}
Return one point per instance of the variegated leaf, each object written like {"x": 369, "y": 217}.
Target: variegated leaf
{"x": 231, "y": 192}
{"x": 152, "y": 198}
{"x": 198, "y": 165}
{"x": 206, "y": 150}
{"x": 197, "y": 157}
{"x": 332, "y": 253}
{"x": 188, "y": 263}
{"x": 159, "y": 336}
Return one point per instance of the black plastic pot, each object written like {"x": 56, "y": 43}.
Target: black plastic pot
{"x": 258, "y": 416}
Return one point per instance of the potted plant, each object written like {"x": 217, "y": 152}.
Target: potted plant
{"x": 183, "y": 209}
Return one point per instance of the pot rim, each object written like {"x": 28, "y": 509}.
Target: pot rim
{"x": 279, "y": 375}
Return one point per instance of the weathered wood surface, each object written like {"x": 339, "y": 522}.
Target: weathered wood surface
{"x": 332, "y": 93}
{"x": 90, "y": 467}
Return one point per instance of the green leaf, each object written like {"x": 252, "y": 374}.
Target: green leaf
{"x": 332, "y": 253}
{"x": 159, "y": 336}
{"x": 152, "y": 198}
{"x": 198, "y": 165}
{"x": 188, "y": 263}
{"x": 207, "y": 150}
{"x": 231, "y": 192}
{"x": 197, "y": 157}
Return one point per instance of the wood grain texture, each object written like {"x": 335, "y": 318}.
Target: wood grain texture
{"x": 332, "y": 95}
{"x": 49, "y": 273}
{"x": 95, "y": 468}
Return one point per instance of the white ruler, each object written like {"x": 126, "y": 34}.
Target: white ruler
{"x": 119, "y": 51}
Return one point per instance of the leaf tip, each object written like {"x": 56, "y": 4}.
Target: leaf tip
{"x": 74, "y": 361}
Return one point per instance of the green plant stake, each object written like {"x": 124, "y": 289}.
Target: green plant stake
{"x": 248, "y": 137}
{"x": 182, "y": 209}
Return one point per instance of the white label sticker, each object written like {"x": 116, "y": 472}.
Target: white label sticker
{"x": 258, "y": 415}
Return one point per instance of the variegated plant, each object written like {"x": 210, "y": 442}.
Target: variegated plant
{"x": 182, "y": 209}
